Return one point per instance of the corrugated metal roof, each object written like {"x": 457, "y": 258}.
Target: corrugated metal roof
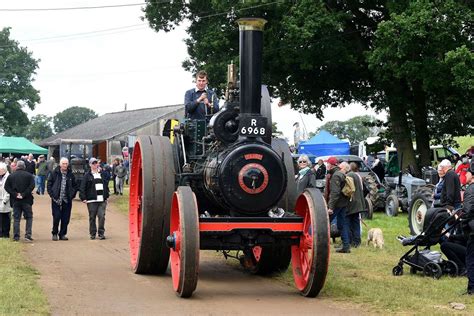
{"x": 113, "y": 124}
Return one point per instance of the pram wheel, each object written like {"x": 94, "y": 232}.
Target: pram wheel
{"x": 433, "y": 270}
{"x": 451, "y": 268}
{"x": 413, "y": 270}
{"x": 397, "y": 270}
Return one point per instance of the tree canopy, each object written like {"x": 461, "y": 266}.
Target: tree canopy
{"x": 39, "y": 128}
{"x": 411, "y": 58}
{"x": 71, "y": 117}
{"x": 17, "y": 68}
{"x": 356, "y": 129}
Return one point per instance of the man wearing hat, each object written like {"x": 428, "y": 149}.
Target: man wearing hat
{"x": 41, "y": 174}
{"x": 337, "y": 201}
{"x": 95, "y": 192}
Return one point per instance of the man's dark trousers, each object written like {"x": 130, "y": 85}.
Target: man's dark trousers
{"x": 96, "y": 209}
{"x": 470, "y": 264}
{"x": 27, "y": 211}
{"x": 353, "y": 227}
{"x": 4, "y": 225}
{"x": 61, "y": 214}
{"x": 340, "y": 214}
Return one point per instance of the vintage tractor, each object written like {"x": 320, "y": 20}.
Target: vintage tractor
{"x": 400, "y": 192}
{"x": 224, "y": 184}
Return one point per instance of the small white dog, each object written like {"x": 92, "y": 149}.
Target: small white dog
{"x": 375, "y": 236}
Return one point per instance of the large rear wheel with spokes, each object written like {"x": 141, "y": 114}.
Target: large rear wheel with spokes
{"x": 151, "y": 190}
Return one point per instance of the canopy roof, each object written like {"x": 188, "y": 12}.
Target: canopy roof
{"x": 19, "y": 145}
{"x": 324, "y": 137}
{"x": 324, "y": 144}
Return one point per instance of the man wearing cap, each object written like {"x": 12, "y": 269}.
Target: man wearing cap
{"x": 469, "y": 228}
{"x": 62, "y": 190}
{"x": 41, "y": 174}
{"x": 451, "y": 192}
{"x": 200, "y": 101}
{"x": 95, "y": 192}
{"x": 337, "y": 201}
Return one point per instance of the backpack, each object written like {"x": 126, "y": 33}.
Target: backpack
{"x": 349, "y": 187}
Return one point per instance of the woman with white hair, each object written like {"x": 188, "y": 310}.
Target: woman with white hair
{"x": 305, "y": 178}
{"x": 5, "y": 208}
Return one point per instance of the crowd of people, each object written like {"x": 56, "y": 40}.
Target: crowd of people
{"x": 344, "y": 209}
{"x": 20, "y": 176}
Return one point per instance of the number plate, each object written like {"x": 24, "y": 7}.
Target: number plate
{"x": 253, "y": 126}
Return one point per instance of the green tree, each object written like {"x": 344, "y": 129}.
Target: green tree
{"x": 275, "y": 131}
{"x": 331, "y": 53}
{"x": 39, "y": 128}
{"x": 17, "y": 68}
{"x": 355, "y": 129}
{"x": 424, "y": 51}
{"x": 71, "y": 117}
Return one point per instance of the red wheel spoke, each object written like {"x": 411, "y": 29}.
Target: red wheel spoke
{"x": 311, "y": 256}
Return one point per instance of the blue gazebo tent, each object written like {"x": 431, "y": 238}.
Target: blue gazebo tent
{"x": 324, "y": 144}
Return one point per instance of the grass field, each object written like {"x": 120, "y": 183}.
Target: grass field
{"x": 20, "y": 293}
{"x": 365, "y": 277}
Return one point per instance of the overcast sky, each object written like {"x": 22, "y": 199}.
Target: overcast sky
{"x": 105, "y": 58}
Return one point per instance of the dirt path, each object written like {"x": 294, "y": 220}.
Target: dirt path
{"x": 91, "y": 277}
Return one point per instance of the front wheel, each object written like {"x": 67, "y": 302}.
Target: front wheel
{"x": 184, "y": 241}
{"x": 391, "y": 205}
{"x": 397, "y": 270}
{"x": 419, "y": 205}
{"x": 310, "y": 258}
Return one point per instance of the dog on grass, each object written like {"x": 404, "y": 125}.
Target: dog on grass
{"x": 375, "y": 236}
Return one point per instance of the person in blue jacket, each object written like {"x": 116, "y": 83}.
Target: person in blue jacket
{"x": 200, "y": 101}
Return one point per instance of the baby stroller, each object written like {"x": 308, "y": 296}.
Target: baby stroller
{"x": 427, "y": 261}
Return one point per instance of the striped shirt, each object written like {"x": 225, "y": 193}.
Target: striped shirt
{"x": 99, "y": 188}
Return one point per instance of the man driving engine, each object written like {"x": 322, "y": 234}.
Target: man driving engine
{"x": 200, "y": 101}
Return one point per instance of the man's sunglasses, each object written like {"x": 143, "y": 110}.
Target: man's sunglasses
{"x": 302, "y": 161}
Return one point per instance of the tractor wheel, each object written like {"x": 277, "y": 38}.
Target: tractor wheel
{"x": 310, "y": 258}
{"x": 373, "y": 188}
{"x": 184, "y": 241}
{"x": 391, "y": 205}
{"x": 368, "y": 212}
{"x": 151, "y": 191}
{"x": 288, "y": 200}
{"x": 421, "y": 201}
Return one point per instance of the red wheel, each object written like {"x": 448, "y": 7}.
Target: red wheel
{"x": 184, "y": 241}
{"x": 152, "y": 185}
{"x": 310, "y": 258}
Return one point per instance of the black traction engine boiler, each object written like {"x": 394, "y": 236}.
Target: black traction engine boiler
{"x": 225, "y": 184}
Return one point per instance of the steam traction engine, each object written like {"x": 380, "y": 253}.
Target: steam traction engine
{"x": 224, "y": 184}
